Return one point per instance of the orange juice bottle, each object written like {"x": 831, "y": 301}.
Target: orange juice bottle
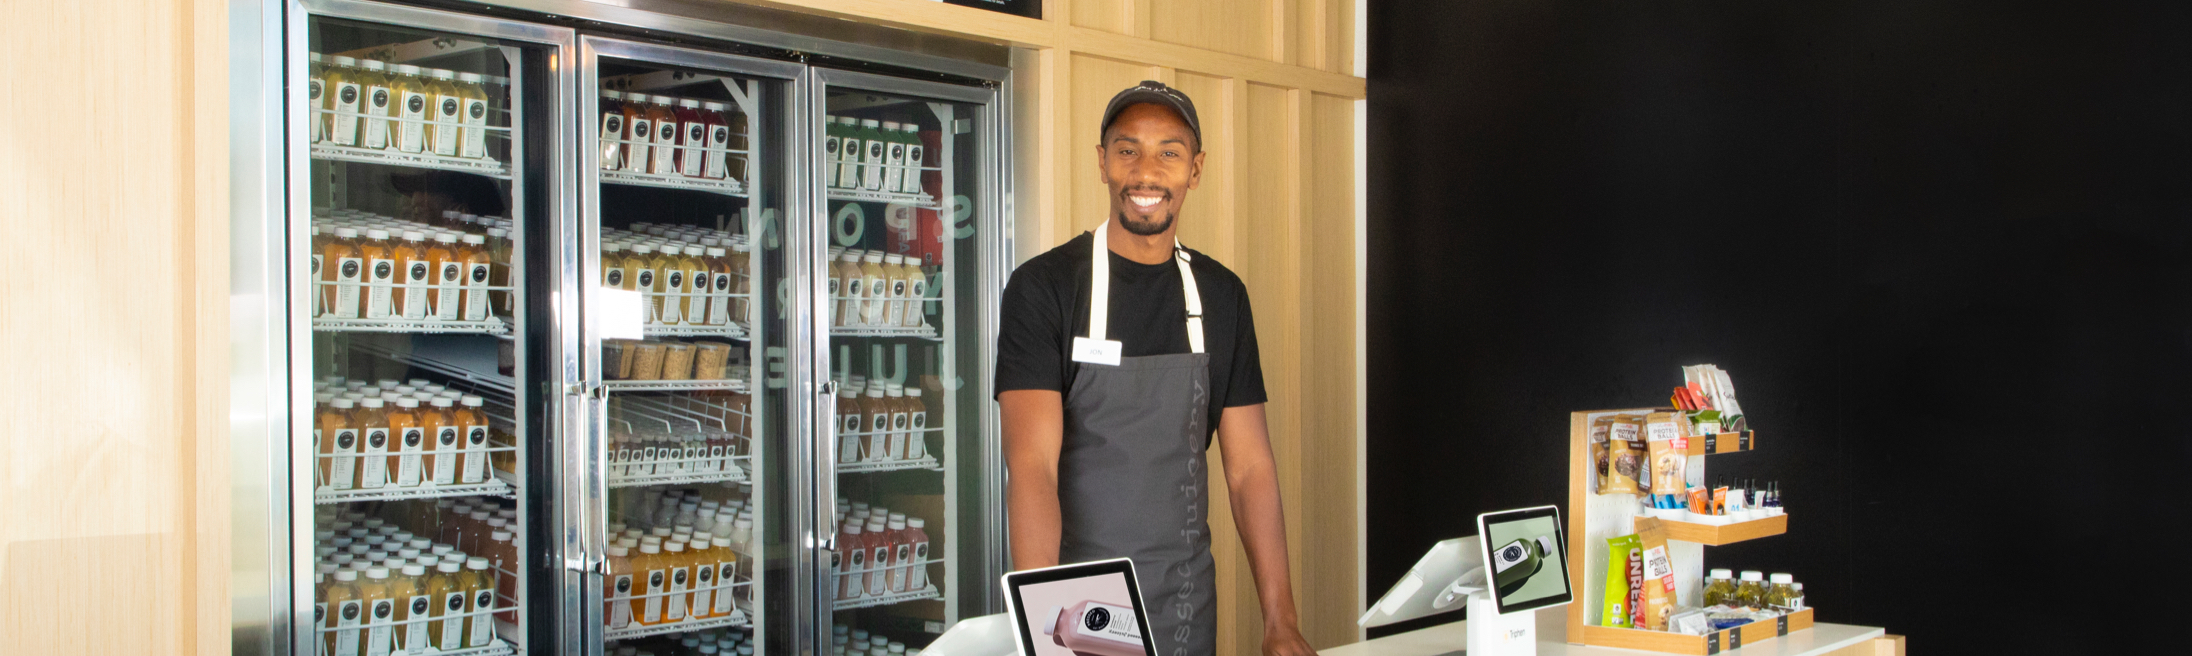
{"x": 917, "y": 294}
{"x": 333, "y": 435}
{"x": 414, "y": 99}
{"x": 612, "y": 266}
{"x": 654, "y": 574}
{"x": 848, "y": 302}
{"x": 446, "y": 588}
{"x": 346, "y": 270}
{"x": 875, "y": 289}
{"x": 413, "y": 607}
{"x": 415, "y": 270}
{"x": 379, "y": 595}
{"x": 473, "y": 89}
{"x": 743, "y": 275}
{"x": 380, "y": 273}
{"x": 479, "y": 630}
{"x": 640, "y": 267}
{"x": 896, "y": 281}
{"x": 321, "y": 235}
{"x": 343, "y": 96}
{"x": 499, "y": 247}
{"x": 850, "y": 418}
{"x": 443, "y": 436}
{"x": 372, "y": 423}
{"x": 617, "y": 610}
{"x": 477, "y": 267}
{"x": 664, "y": 160}
{"x": 879, "y": 409}
{"x": 680, "y": 566}
{"x": 472, "y": 464}
{"x": 639, "y": 133}
{"x": 446, "y": 257}
{"x": 698, "y": 285}
{"x": 901, "y": 421}
{"x": 725, "y": 562}
{"x": 346, "y": 608}
{"x": 701, "y": 553}
{"x": 837, "y": 284}
{"x": 448, "y": 113}
{"x": 378, "y": 104}
{"x": 407, "y": 439}
{"x": 721, "y": 276}
{"x": 669, "y": 280}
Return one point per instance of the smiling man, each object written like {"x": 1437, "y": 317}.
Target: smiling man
{"x": 1119, "y": 356}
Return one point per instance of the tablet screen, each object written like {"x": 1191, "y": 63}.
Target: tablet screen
{"x": 1078, "y": 611}
{"x": 1525, "y": 560}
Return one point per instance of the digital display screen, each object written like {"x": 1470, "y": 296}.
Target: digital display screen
{"x": 1085, "y": 613}
{"x": 1525, "y": 560}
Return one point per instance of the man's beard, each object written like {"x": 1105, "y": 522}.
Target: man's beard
{"x": 1146, "y": 228}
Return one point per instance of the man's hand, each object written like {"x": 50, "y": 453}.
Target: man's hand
{"x": 1284, "y": 639}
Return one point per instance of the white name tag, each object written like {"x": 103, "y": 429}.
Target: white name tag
{"x": 1096, "y": 351}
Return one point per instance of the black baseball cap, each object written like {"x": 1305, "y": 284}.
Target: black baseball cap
{"x": 1156, "y": 93}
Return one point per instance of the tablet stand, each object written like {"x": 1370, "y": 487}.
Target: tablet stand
{"x": 1493, "y": 634}
{"x": 988, "y": 635}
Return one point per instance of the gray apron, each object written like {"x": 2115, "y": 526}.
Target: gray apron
{"x": 1131, "y": 479}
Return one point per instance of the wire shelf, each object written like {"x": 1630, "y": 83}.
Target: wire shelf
{"x": 926, "y": 592}
{"x": 731, "y": 473}
{"x": 732, "y": 384}
{"x": 737, "y": 618}
{"x": 732, "y": 331}
{"x": 491, "y": 326}
{"x": 727, "y": 187}
{"x": 922, "y": 200}
{"x": 923, "y": 332}
{"x": 487, "y": 167}
{"x": 494, "y": 486}
{"x": 923, "y": 463}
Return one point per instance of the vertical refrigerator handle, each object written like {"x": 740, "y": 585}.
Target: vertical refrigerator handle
{"x": 825, "y": 468}
{"x": 595, "y": 532}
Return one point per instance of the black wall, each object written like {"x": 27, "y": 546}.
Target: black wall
{"x": 1941, "y": 247}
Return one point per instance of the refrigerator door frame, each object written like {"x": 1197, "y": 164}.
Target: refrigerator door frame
{"x": 992, "y": 212}
{"x": 293, "y": 151}
{"x": 587, "y": 551}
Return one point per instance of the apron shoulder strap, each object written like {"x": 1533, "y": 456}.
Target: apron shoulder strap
{"x": 1099, "y": 289}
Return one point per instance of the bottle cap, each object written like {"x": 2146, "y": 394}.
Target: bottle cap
{"x": 444, "y": 74}
{"x": 414, "y": 235}
{"x": 373, "y": 403}
{"x": 714, "y": 251}
{"x": 345, "y": 61}
{"x": 450, "y": 566}
{"x": 687, "y": 102}
{"x": 1783, "y": 578}
{"x": 414, "y": 570}
{"x": 475, "y": 562}
{"x": 474, "y": 240}
{"x": 376, "y": 572}
{"x": 1723, "y": 574}
{"x": 441, "y": 402}
{"x": 446, "y": 237}
{"x": 469, "y": 77}
{"x": 376, "y": 233}
{"x": 344, "y": 404}
{"x": 407, "y": 403}
{"x": 914, "y": 392}
{"x": 407, "y": 69}
{"x": 346, "y": 574}
{"x": 643, "y": 248}
{"x": 499, "y": 536}
{"x": 870, "y": 123}
{"x": 714, "y": 106}
{"x": 372, "y": 65}
{"x": 916, "y": 522}
{"x": 649, "y": 548}
{"x": 695, "y": 251}
{"x": 471, "y": 401}
{"x": 1753, "y": 575}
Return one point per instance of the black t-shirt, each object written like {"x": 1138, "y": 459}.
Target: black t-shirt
{"x": 1046, "y": 306}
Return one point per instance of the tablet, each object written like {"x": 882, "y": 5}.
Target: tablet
{"x": 1525, "y": 558}
{"x": 1087, "y": 609}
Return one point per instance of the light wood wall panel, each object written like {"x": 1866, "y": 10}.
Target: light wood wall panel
{"x": 1206, "y": 224}
{"x": 111, "y": 538}
{"x": 1240, "y": 27}
{"x": 1328, "y": 365}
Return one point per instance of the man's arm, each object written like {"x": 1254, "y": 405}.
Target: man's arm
{"x": 1035, "y": 428}
{"x": 1252, "y": 482}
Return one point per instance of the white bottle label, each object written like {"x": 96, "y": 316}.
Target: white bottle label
{"x": 448, "y": 122}
{"x": 377, "y": 638}
{"x": 871, "y": 173}
{"x": 871, "y": 306}
{"x": 452, "y": 626}
{"x": 917, "y": 439}
{"x": 899, "y": 423}
{"x": 856, "y": 575}
{"x": 912, "y": 183}
{"x": 719, "y": 310}
{"x": 412, "y": 442}
{"x": 612, "y": 131}
{"x": 379, "y": 102}
{"x": 351, "y": 614}
{"x": 483, "y": 626}
{"x": 380, "y": 287}
{"x": 316, "y": 97}
{"x": 901, "y": 560}
{"x": 620, "y": 607}
{"x": 651, "y": 610}
{"x": 695, "y": 143}
{"x": 349, "y": 272}
{"x": 878, "y": 436}
{"x": 894, "y": 160}
{"x": 918, "y": 577}
{"x": 719, "y": 140}
{"x": 916, "y": 302}
{"x": 673, "y": 284}
{"x": 724, "y": 575}
{"x": 636, "y": 155}
{"x": 414, "y": 628}
{"x": 848, "y": 168}
{"x": 832, "y": 158}
{"x": 703, "y": 589}
{"x": 612, "y": 277}
{"x": 343, "y": 124}
{"x": 449, "y": 283}
{"x": 375, "y": 473}
{"x": 417, "y": 275}
{"x": 665, "y": 153}
{"x": 475, "y": 293}
{"x": 319, "y": 307}
{"x": 897, "y": 314}
{"x": 699, "y": 303}
{"x": 475, "y": 457}
{"x": 848, "y": 445}
{"x": 879, "y": 571}
{"x": 411, "y": 132}
{"x": 446, "y": 443}
{"x": 342, "y": 471}
{"x": 475, "y": 130}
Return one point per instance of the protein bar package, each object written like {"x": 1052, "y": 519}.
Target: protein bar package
{"x": 1625, "y": 457}
{"x": 1658, "y": 566}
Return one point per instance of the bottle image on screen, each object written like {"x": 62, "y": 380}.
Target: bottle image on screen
{"x": 1094, "y": 628}
{"x": 1515, "y": 562}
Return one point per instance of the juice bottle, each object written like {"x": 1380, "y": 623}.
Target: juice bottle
{"x": 1752, "y": 591}
{"x": 917, "y": 576}
{"x": 446, "y": 588}
{"x": 499, "y": 247}
{"x": 669, "y": 284}
{"x": 741, "y": 262}
{"x": 612, "y": 266}
{"x": 1781, "y": 595}
{"x": 720, "y": 301}
{"x": 1721, "y": 588}
{"x": 477, "y": 268}
{"x": 655, "y": 578}
{"x": 699, "y": 285}
{"x": 917, "y": 424}
{"x": 380, "y": 273}
{"x": 343, "y": 94}
{"x": 617, "y": 610}
{"x": 408, "y": 441}
{"x": 612, "y": 130}
{"x": 472, "y": 466}
{"x": 413, "y": 607}
{"x": 874, "y": 154}
{"x": 850, "y": 417}
{"x": 875, "y": 288}
{"x": 833, "y": 151}
{"x": 715, "y": 164}
{"x": 692, "y": 139}
{"x": 321, "y": 235}
{"x": 702, "y": 554}
{"x": 917, "y": 295}
{"x": 479, "y": 630}
{"x": 414, "y": 98}
{"x": 443, "y": 257}
{"x": 639, "y": 133}
{"x": 880, "y": 551}
{"x": 725, "y": 564}
{"x": 680, "y": 568}
{"x": 472, "y": 87}
{"x": 340, "y": 437}
{"x": 663, "y": 160}
{"x": 894, "y": 275}
{"x": 894, "y": 157}
{"x": 439, "y": 419}
{"x": 502, "y": 553}
{"x": 850, "y": 152}
{"x": 915, "y": 158}
{"x": 379, "y": 103}
{"x": 316, "y": 96}
{"x": 852, "y": 578}
{"x": 346, "y": 608}
{"x": 878, "y": 407}
{"x": 902, "y": 410}
{"x": 416, "y": 270}
{"x": 378, "y": 595}
{"x": 372, "y": 423}
{"x": 639, "y": 265}
{"x": 447, "y": 131}
{"x": 837, "y": 284}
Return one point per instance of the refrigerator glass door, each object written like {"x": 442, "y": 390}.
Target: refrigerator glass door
{"x": 684, "y": 287}
{"x": 421, "y": 171}
{"x": 906, "y": 173}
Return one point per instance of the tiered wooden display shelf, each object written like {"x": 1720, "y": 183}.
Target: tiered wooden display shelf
{"x": 1592, "y": 518}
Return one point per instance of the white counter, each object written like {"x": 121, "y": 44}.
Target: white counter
{"x": 1552, "y": 631}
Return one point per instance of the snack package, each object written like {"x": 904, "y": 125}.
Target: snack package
{"x": 1622, "y": 562}
{"x": 1670, "y": 466}
{"x": 1658, "y": 566}
{"x": 1600, "y": 428}
{"x": 1625, "y": 471}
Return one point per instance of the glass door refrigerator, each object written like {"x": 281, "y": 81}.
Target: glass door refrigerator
{"x": 424, "y": 159}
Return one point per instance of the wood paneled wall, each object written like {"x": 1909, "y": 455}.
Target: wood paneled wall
{"x": 114, "y": 489}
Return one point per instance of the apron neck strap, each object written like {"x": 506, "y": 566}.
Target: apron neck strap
{"x": 1099, "y": 289}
